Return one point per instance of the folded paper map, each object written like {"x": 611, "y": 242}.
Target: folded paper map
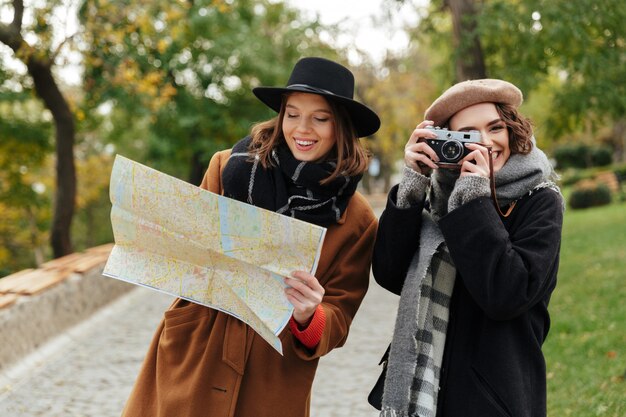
{"x": 182, "y": 240}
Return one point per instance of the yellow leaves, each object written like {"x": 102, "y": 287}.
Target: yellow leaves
{"x": 5, "y": 255}
{"x": 127, "y": 72}
{"x": 152, "y": 87}
{"x": 24, "y": 224}
{"x": 145, "y": 23}
{"x": 400, "y": 99}
{"x": 156, "y": 89}
{"x": 12, "y": 225}
{"x": 149, "y": 84}
{"x": 162, "y": 45}
{"x": 168, "y": 91}
{"x": 115, "y": 37}
{"x": 175, "y": 14}
{"x": 93, "y": 174}
{"x": 95, "y": 62}
{"x": 223, "y": 8}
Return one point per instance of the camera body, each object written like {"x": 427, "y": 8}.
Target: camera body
{"x": 450, "y": 145}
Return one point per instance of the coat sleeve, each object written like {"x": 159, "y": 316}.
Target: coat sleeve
{"x": 346, "y": 281}
{"x": 396, "y": 243}
{"x": 506, "y": 271}
{"x": 212, "y": 180}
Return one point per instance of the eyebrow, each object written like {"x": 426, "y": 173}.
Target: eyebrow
{"x": 291, "y": 106}
{"x": 493, "y": 122}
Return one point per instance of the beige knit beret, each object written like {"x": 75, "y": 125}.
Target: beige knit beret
{"x": 468, "y": 93}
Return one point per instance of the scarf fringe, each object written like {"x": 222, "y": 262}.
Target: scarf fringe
{"x": 389, "y": 412}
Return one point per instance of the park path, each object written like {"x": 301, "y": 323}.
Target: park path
{"x": 89, "y": 370}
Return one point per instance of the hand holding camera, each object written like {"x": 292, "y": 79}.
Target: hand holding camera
{"x": 450, "y": 146}
{"x": 418, "y": 155}
{"x": 432, "y": 147}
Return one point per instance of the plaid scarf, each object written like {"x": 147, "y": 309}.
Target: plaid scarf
{"x": 413, "y": 371}
{"x": 292, "y": 188}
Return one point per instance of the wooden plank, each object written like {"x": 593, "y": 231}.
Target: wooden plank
{"x": 104, "y": 249}
{"x": 88, "y": 261}
{"x": 38, "y": 280}
{"x": 10, "y": 281}
{"x": 7, "y": 299}
{"x": 62, "y": 262}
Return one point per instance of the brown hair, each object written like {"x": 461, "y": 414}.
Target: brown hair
{"x": 519, "y": 127}
{"x": 349, "y": 153}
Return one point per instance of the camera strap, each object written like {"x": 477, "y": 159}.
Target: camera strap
{"x": 492, "y": 183}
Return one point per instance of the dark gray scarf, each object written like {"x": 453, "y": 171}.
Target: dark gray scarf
{"x": 292, "y": 188}
{"x": 522, "y": 174}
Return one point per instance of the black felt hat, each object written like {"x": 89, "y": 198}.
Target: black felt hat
{"x": 326, "y": 78}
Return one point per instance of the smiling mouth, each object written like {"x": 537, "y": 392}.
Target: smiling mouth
{"x": 304, "y": 144}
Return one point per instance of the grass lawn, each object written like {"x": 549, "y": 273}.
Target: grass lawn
{"x": 586, "y": 347}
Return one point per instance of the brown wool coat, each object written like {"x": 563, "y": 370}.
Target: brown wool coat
{"x": 203, "y": 362}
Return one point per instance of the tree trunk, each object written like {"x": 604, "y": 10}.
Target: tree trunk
{"x": 619, "y": 140}
{"x": 197, "y": 169}
{"x": 470, "y": 63}
{"x": 40, "y": 69}
{"x": 47, "y": 89}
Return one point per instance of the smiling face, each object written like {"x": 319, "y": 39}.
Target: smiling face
{"x": 485, "y": 118}
{"x": 309, "y": 126}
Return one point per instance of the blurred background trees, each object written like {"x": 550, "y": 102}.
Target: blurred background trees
{"x": 177, "y": 76}
{"x": 167, "y": 83}
{"x": 30, "y": 36}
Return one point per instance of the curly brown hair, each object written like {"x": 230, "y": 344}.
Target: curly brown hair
{"x": 519, "y": 127}
{"x": 350, "y": 155}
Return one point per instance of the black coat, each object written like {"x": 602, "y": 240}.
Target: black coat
{"x": 506, "y": 271}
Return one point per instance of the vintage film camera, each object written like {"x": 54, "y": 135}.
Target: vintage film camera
{"x": 450, "y": 145}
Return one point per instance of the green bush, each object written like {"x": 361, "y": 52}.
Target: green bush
{"x": 590, "y": 196}
{"x": 580, "y": 155}
{"x": 601, "y": 156}
{"x": 620, "y": 171}
{"x": 571, "y": 176}
{"x": 571, "y": 156}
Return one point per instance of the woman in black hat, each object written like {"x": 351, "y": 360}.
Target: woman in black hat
{"x": 474, "y": 258}
{"x": 305, "y": 163}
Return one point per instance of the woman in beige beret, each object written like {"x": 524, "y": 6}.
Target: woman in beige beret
{"x": 474, "y": 273}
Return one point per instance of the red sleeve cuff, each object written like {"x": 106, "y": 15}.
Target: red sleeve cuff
{"x": 312, "y": 334}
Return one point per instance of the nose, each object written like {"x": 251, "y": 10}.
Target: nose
{"x": 304, "y": 124}
{"x": 486, "y": 139}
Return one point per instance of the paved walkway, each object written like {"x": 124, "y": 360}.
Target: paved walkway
{"x": 89, "y": 370}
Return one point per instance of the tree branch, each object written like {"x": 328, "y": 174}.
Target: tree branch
{"x": 18, "y": 7}
{"x": 10, "y": 34}
{"x": 57, "y": 50}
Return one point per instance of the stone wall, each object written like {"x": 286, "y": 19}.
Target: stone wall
{"x": 33, "y": 317}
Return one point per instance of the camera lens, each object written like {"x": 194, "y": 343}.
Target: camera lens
{"x": 452, "y": 150}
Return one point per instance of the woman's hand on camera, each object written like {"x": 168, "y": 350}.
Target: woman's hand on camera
{"x": 305, "y": 293}
{"x": 418, "y": 155}
{"x": 476, "y": 162}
